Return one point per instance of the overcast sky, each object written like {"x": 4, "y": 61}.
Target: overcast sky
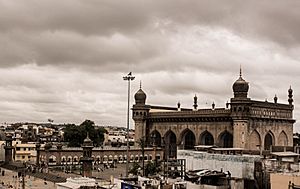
{"x": 65, "y": 59}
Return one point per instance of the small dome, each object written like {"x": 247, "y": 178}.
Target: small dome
{"x": 240, "y": 87}
{"x": 87, "y": 140}
{"x": 140, "y": 97}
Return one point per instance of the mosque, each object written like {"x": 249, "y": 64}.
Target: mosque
{"x": 244, "y": 123}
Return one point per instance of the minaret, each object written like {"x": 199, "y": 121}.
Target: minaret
{"x": 38, "y": 148}
{"x": 139, "y": 114}
{"x": 59, "y": 149}
{"x": 290, "y": 95}
{"x": 8, "y": 149}
{"x": 240, "y": 106}
{"x": 87, "y": 159}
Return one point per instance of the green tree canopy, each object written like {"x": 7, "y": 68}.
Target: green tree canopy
{"x": 75, "y": 134}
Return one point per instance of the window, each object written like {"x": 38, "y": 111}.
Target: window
{"x": 18, "y": 148}
{"x": 23, "y": 157}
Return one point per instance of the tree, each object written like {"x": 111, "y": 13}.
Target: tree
{"x": 152, "y": 168}
{"x": 75, "y": 135}
{"x": 135, "y": 168}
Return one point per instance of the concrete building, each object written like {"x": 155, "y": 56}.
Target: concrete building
{"x": 118, "y": 137}
{"x": 282, "y": 180}
{"x": 243, "y": 171}
{"x": 25, "y": 152}
{"x": 240, "y": 166}
{"x": 2, "y": 151}
{"x": 243, "y": 123}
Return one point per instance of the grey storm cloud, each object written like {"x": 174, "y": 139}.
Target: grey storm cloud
{"x": 65, "y": 59}
{"x": 114, "y": 32}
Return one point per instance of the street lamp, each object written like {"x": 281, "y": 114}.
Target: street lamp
{"x": 128, "y": 78}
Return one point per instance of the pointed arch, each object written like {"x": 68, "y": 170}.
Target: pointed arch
{"x": 282, "y": 139}
{"x": 269, "y": 140}
{"x": 254, "y": 142}
{"x": 155, "y": 138}
{"x": 170, "y": 144}
{"x": 52, "y": 159}
{"x": 121, "y": 158}
{"x": 188, "y": 139}
{"x": 225, "y": 140}
{"x": 75, "y": 159}
{"x": 206, "y": 138}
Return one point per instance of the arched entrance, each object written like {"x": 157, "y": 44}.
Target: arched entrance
{"x": 226, "y": 140}
{"x": 188, "y": 139}
{"x": 268, "y": 141}
{"x": 206, "y": 138}
{"x": 170, "y": 145}
{"x": 155, "y": 138}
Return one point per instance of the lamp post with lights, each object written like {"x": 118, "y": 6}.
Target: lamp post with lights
{"x": 128, "y": 78}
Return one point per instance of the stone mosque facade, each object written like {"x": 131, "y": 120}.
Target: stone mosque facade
{"x": 244, "y": 123}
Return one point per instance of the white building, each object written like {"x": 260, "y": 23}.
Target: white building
{"x": 76, "y": 183}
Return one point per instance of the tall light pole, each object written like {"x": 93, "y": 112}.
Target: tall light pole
{"x": 128, "y": 78}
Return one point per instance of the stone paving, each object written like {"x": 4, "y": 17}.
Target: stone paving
{"x": 101, "y": 174}
{"x": 11, "y": 180}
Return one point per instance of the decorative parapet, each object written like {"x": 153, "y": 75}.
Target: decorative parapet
{"x": 199, "y": 115}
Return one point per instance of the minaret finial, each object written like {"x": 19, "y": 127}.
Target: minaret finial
{"x": 178, "y": 106}
{"x": 290, "y": 95}
{"x": 140, "y": 84}
{"x": 275, "y": 99}
{"x": 195, "y": 102}
{"x": 240, "y": 70}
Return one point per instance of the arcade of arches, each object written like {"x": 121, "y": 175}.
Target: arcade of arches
{"x": 187, "y": 139}
{"x": 72, "y": 156}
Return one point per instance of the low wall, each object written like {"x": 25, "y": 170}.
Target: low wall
{"x": 240, "y": 166}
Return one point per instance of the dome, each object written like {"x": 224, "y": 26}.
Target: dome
{"x": 140, "y": 97}
{"x": 240, "y": 87}
{"x": 87, "y": 141}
